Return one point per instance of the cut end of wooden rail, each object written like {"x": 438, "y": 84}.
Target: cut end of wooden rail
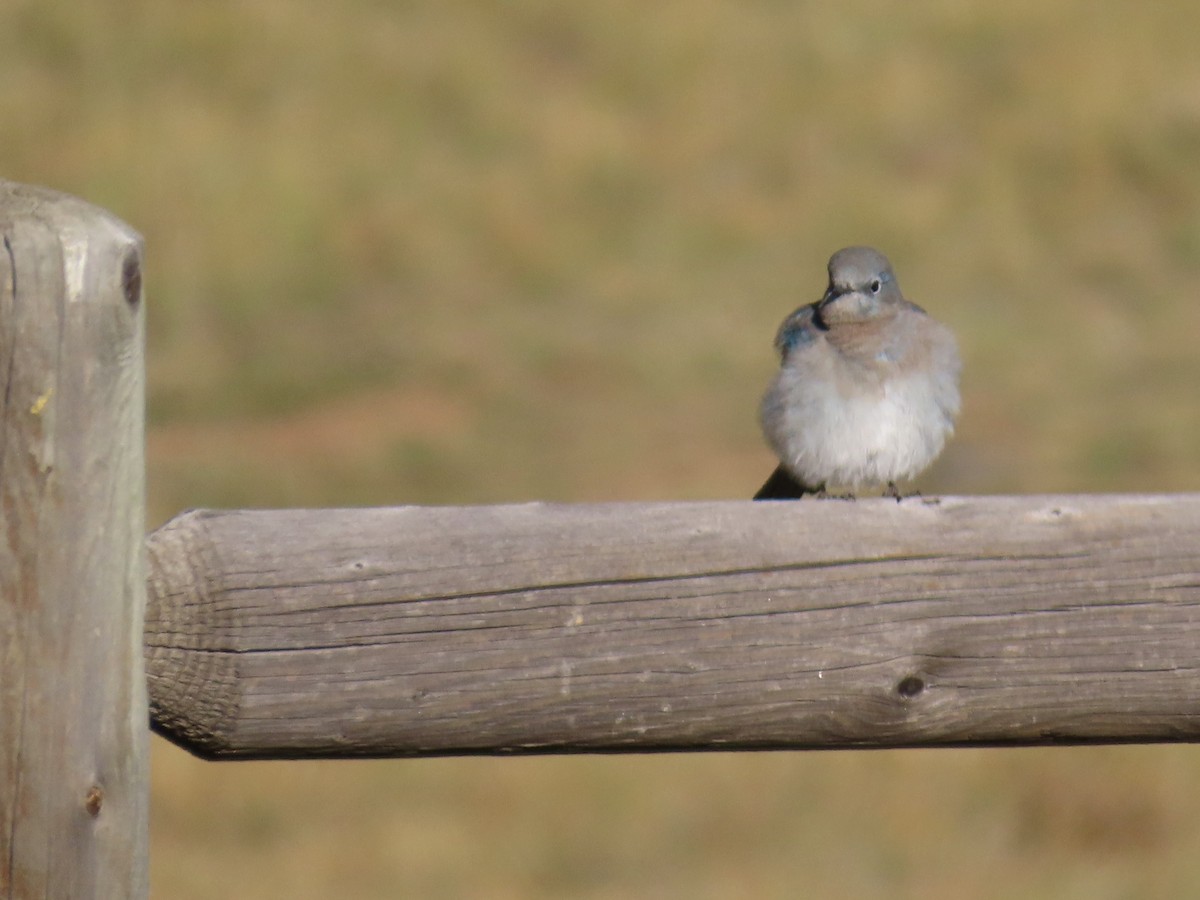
{"x": 677, "y": 626}
{"x": 201, "y": 661}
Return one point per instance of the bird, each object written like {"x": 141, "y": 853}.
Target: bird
{"x": 867, "y": 388}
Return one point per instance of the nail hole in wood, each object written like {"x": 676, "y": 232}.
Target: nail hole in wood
{"x": 94, "y": 800}
{"x": 910, "y": 686}
{"x": 131, "y": 279}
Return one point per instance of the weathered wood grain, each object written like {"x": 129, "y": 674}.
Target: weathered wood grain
{"x": 639, "y": 627}
{"x": 73, "y": 736}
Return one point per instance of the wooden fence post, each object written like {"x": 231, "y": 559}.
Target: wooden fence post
{"x": 73, "y": 716}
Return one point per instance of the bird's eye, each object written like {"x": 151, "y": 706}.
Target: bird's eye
{"x": 875, "y": 286}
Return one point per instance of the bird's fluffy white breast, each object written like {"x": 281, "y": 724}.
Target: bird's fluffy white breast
{"x": 827, "y": 434}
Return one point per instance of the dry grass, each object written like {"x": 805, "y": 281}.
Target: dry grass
{"x": 479, "y": 252}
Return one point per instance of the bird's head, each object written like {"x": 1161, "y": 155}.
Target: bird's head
{"x": 862, "y": 286}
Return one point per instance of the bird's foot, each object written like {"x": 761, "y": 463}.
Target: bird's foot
{"x": 823, "y": 494}
{"x": 894, "y": 492}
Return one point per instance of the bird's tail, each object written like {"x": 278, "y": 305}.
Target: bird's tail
{"x": 782, "y": 485}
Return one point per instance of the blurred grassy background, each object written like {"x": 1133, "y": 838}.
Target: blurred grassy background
{"x": 482, "y": 252}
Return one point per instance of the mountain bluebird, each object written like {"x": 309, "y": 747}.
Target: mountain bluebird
{"x": 867, "y": 391}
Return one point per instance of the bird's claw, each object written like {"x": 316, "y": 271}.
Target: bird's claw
{"x": 894, "y": 492}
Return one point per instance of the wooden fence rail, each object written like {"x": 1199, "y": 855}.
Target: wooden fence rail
{"x": 510, "y": 629}
{"x": 685, "y": 626}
